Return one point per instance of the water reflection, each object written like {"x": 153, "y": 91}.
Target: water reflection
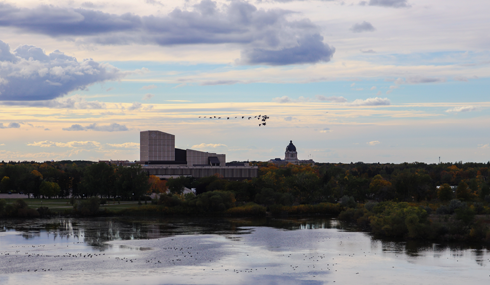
{"x": 262, "y": 251}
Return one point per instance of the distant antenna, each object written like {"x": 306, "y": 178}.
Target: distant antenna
{"x": 439, "y": 160}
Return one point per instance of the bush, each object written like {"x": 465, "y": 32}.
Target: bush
{"x": 348, "y": 202}
{"x": 455, "y": 204}
{"x": 87, "y": 207}
{"x": 443, "y": 210}
{"x": 400, "y": 219}
{"x": 103, "y": 201}
{"x": 370, "y": 205}
{"x": 213, "y": 201}
{"x": 247, "y": 210}
{"x": 18, "y": 209}
{"x": 351, "y": 215}
{"x": 465, "y": 214}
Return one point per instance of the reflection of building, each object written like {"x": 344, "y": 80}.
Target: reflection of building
{"x": 291, "y": 156}
{"x": 159, "y": 157}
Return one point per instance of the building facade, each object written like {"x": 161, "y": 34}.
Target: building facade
{"x": 160, "y": 157}
{"x": 291, "y": 156}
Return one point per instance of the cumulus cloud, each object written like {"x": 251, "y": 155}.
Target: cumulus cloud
{"x": 135, "y": 106}
{"x": 373, "y": 88}
{"x": 149, "y": 87}
{"x": 125, "y": 145}
{"x": 331, "y": 98}
{"x": 73, "y": 102}
{"x": 362, "y": 27}
{"x": 371, "y": 102}
{"x": 484, "y": 145}
{"x": 10, "y": 126}
{"x": 266, "y": 36}
{"x": 72, "y": 144}
{"x": 373, "y": 143}
{"x": 114, "y": 127}
{"x": 309, "y": 49}
{"x": 462, "y": 109}
{"x": 386, "y": 3}
{"x": 148, "y": 96}
{"x": 30, "y": 74}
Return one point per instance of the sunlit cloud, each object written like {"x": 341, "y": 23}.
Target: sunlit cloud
{"x": 125, "y": 145}
{"x": 208, "y": 145}
{"x": 373, "y": 143}
{"x": 71, "y": 144}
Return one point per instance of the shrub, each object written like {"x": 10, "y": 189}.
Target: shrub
{"x": 455, "y": 204}
{"x": 351, "y": 215}
{"x": 87, "y": 207}
{"x": 400, "y": 219}
{"x": 348, "y": 201}
{"x": 370, "y": 205}
{"x": 443, "y": 210}
{"x": 247, "y": 210}
{"x": 465, "y": 214}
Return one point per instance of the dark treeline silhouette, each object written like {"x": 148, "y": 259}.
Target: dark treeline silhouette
{"x": 73, "y": 178}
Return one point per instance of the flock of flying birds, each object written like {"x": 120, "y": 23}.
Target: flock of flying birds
{"x": 262, "y": 118}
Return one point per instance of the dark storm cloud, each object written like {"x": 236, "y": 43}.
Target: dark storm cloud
{"x": 386, "y": 3}
{"x": 266, "y": 36}
{"x": 30, "y": 74}
{"x": 362, "y": 27}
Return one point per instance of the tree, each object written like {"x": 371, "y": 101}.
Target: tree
{"x": 379, "y": 187}
{"x": 445, "y": 193}
{"x": 49, "y": 189}
{"x": 5, "y": 184}
{"x": 176, "y": 185}
{"x": 157, "y": 185}
{"x": 98, "y": 180}
{"x": 463, "y": 192}
{"x": 131, "y": 182}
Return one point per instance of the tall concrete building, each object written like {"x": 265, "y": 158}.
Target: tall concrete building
{"x": 160, "y": 157}
{"x": 157, "y": 146}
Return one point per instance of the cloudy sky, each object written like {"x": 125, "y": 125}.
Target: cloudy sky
{"x": 373, "y": 81}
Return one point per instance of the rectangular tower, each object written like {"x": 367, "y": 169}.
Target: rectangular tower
{"x": 157, "y": 146}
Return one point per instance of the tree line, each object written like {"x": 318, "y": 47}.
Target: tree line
{"x": 74, "y": 178}
{"x": 285, "y": 185}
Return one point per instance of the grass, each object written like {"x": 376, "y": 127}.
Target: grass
{"x": 63, "y": 204}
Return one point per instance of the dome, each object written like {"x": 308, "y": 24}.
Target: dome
{"x": 291, "y": 147}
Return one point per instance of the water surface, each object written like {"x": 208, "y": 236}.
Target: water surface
{"x": 225, "y": 251}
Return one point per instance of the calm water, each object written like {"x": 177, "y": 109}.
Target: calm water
{"x": 222, "y": 251}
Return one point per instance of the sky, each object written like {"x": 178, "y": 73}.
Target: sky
{"x": 386, "y": 81}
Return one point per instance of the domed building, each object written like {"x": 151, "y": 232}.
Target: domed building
{"x": 291, "y": 156}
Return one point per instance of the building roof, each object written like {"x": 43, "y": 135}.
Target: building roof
{"x": 291, "y": 147}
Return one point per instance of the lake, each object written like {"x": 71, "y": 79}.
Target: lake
{"x": 120, "y": 250}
